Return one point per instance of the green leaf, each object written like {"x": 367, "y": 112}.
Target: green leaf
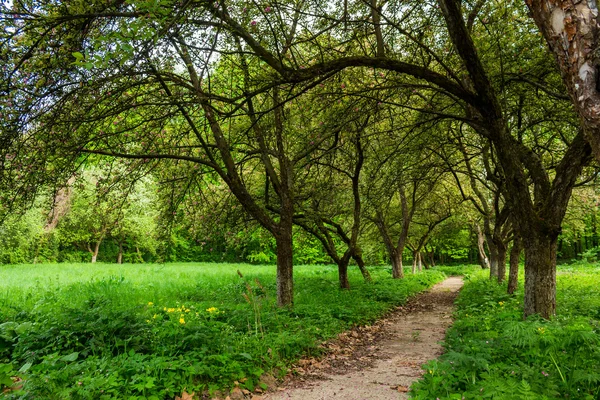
{"x": 24, "y": 327}
{"x": 70, "y": 357}
{"x": 25, "y": 367}
{"x": 78, "y": 56}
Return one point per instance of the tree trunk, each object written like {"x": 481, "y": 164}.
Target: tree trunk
{"x": 285, "y": 268}
{"x": 501, "y": 267}
{"x": 424, "y": 260}
{"x": 513, "y": 274}
{"x": 414, "y": 262}
{"x": 94, "y": 252}
{"x": 343, "y": 272}
{"x": 120, "y": 253}
{"x": 540, "y": 275}
{"x": 139, "y": 254}
{"x": 571, "y": 29}
{"x": 483, "y": 259}
{"x": 363, "y": 270}
{"x": 397, "y": 267}
{"x": 420, "y": 263}
{"x": 493, "y": 259}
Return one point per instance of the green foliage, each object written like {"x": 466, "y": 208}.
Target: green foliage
{"x": 151, "y": 331}
{"x": 20, "y": 237}
{"x": 493, "y": 353}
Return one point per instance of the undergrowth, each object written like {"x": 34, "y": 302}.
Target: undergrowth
{"x": 491, "y": 352}
{"x": 151, "y": 332}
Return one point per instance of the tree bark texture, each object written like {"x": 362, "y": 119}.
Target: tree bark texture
{"x": 493, "y": 259}
{"x": 571, "y": 29}
{"x": 481, "y": 256}
{"x": 501, "y": 265}
{"x": 540, "y": 275}
{"x": 343, "y": 272}
{"x": 397, "y": 267}
{"x": 285, "y": 269}
{"x": 363, "y": 269}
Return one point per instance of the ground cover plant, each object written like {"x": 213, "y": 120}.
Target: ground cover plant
{"x": 79, "y": 331}
{"x": 493, "y": 353}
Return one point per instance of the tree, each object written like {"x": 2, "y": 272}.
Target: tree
{"x": 116, "y": 95}
{"x": 337, "y": 174}
{"x": 118, "y": 62}
{"x": 96, "y": 210}
{"x": 571, "y": 31}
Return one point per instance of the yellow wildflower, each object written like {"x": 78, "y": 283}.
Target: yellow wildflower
{"x": 181, "y": 321}
{"x": 150, "y": 303}
{"x": 170, "y": 310}
{"x": 501, "y": 303}
{"x": 212, "y": 310}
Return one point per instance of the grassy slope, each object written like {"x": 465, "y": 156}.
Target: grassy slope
{"x": 493, "y": 353}
{"x": 149, "y": 331}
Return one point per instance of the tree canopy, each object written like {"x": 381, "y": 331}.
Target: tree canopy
{"x": 315, "y": 115}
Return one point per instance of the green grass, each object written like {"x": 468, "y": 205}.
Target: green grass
{"x": 493, "y": 353}
{"x": 82, "y": 331}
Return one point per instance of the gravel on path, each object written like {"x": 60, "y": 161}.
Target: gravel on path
{"x": 380, "y": 361}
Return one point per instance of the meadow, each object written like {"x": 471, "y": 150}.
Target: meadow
{"x": 491, "y": 352}
{"x": 106, "y": 331}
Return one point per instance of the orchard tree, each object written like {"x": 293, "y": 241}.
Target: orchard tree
{"x": 73, "y": 69}
{"x": 149, "y": 82}
{"x": 337, "y": 178}
{"x": 483, "y": 189}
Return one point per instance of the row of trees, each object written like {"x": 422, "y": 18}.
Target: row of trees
{"x": 308, "y": 111}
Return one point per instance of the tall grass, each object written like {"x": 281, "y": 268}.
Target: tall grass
{"x": 151, "y": 331}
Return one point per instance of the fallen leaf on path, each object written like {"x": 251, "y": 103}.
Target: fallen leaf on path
{"x": 402, "y": 389}
{"x": 185, "y": 396}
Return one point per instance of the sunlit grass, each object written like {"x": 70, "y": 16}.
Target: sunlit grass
{"x": 202, "y": 321}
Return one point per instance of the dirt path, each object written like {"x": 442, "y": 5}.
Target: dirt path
{"x": 378, "y": 362}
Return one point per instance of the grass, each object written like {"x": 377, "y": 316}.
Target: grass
{"x": 104, "y": 331}
{"x": 491, "y": 352}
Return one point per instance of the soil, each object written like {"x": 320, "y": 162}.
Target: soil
{"x": 379, "y": 361}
